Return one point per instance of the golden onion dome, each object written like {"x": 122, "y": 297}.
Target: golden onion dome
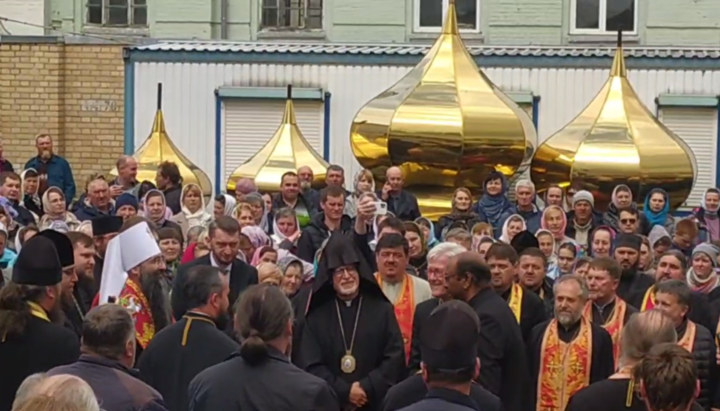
{"x": 444, "y": 124}
{"x": 616, "y": 140}
{"x": 159, "y": 148}
{"x": 286, "y": 151}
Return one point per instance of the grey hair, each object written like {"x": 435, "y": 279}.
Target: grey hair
{"x": 525, "y": 183}
{"x": 584, "y": 292}
{"x": 69, "y": 389}
{"x": 446, "y": 249}
{"x": 459, "y": 234}
{"x": 28, "y": 387}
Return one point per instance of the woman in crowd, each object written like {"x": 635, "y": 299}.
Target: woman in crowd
{"x": 706, "y": 216}
{"x": 292, "y": 271}
{"x": 171, "y": 246}
{"x": 701, "y": 275}
{"x": 546, "y": 244}
{"x": 657, "y": 210}
{"x": 265, "y": 254}
{"x": 646, "y": 261}
{"x": 268, "y": 202}
{"x": 601, "y": 241}
{"x": 461, "y": 212}
{"x": 29, "y": 188}
{"x": 622, "y": 197}
{"x": 581, "y": 266}
{"x": 192, "y": 212}
{"x": 660, "y": 241}
{"x": 269, "y": 273}
{"x": 55, "y": 209}
{"x": 244, "y": 215}
{"x": 566, "y": 254}
{"x": 144, "y": 188}
{"x": 257, "y": 237}
{"x": 260, "y": 212}
{"x": 286, "y": 230}
{"x": 156, "y": 210}
{"x": 224, "y": 205}
{"x": 494, "y": 206}
{"x": 512, "y": 226}
{"x": 418, "y": 248}
{"x": 428, "y": 230}
{"x": 484, "y": 245}
{"x": 554, "y": 220}
{"x": 554, "y": 195}
{"x": 363, "y": 182}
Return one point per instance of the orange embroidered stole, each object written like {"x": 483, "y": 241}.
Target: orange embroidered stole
{"x": 648, "y": 302}
{"x": 132, "y": 298}
{"x": 688, "y": 339}
{"x": 564, "y": 367}
{"x": 404, "y": 311}
{"x": 516, "y": 296}
{"x": 614, "y": 324}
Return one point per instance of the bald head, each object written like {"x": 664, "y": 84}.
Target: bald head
{"x": 394, "y": 178}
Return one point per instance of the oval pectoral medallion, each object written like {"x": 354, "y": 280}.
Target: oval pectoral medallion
{"x": 347, "y": 364}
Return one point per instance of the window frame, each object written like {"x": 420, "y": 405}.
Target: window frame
{"x": 105, "y": 11}
{"x": 602, "y": 30}
{"x": 445, "y": 3}
{"x": 262, "y": 28}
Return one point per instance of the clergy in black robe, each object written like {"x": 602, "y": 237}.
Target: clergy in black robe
{"x": 673, "y": 266}
{"x": 422, "y": 311}
{"x": 32, "y": 339}
{"x": 503, "y": 364}
{"x": 619, "y": 393}
{"x": 605, "y": 308}
{"x": 569, "y": 335}
{"x": 627, "y": 254}
{"x": 182, "y": 350}
{"x": 350, "y": 336}
{"x": 527, "y": 307}
{"x": 104, "y": 228}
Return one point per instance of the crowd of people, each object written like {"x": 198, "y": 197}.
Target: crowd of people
{"x": 144, "y": 295}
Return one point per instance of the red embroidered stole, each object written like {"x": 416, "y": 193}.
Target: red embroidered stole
{"x": 564, "y": 368}
{"x": 134, "y": 300}
{"x": 688, "y": 339}
{"x": 614, "y": 324}
{"x": 404, "y": 311}
{"x": 648, "y": 302}
{"x": 516, "y": 296}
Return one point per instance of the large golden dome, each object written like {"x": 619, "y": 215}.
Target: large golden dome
{"x": 445, "y": 124}
{"x": 287, "y": 150}
{"x": 159, "y": 148}
{"x": 616, "y": 140}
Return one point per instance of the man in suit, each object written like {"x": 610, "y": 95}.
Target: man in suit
{"x": 224, "y": 235}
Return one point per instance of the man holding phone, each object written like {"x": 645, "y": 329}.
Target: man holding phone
{"x": 399, "y": 202}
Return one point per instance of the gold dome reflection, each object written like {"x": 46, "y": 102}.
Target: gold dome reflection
{"x": 287, "y": 150}
{"x": 445, "y": 124}
{"x": 616, "y": 140}
{"x": 159, "y": 148}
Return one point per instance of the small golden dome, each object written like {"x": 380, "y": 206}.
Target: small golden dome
{"x": 616, "y": 140}
{"x": 286, "y": 151}
{"x": 159, "y": 148}
{"x": 445, "y": 124}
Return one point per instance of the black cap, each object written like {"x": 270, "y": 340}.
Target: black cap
{"x": 628, "y": 241}
{"x": 449, "y": 337}
{"x": 63, "y": 246}
{"x": 106, "y": 224}
{"x": 524, "y": 240}
{"x": 38, "y": 263}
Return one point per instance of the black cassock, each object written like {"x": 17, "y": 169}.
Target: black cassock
{"x": 532, "y": 311}
{"x": 377, "y": 345}
{"x": 611, "y": 395}
{"x": 180, "y": 352}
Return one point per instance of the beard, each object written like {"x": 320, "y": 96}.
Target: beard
{"x": 45, "y": 154}
{"x": 153, "y": 286}
{"x": 630, "y": 271}
{"x": 222, "y": 321}
{"x": 304, "y": 185}
{"x": 567, "y": 319}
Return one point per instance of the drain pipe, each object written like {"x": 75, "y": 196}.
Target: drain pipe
{"x": 224, "y": 19}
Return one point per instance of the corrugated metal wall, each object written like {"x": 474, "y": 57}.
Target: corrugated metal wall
{"x": 189, "y": 99}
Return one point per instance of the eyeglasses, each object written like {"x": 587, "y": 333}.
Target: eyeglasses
{"x": 628, "y": 221}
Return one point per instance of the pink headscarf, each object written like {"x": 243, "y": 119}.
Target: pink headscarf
{"x": 258, "y": 238}
{"x": 559, "y": 235}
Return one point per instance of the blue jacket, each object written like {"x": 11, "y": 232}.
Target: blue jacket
{"x": 84, "y": 211}
{"x": 59, "y": 174}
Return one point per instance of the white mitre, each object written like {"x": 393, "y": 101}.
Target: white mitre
{"x": 126, "y": 251}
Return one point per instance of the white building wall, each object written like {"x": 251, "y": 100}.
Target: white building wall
{"x": 30, "y": 12}
{"x": 189, "y": 99}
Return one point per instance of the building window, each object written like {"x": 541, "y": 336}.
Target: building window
{"x": 603, "y": 16}
{"x": 292, "y": 14}
{"x": 429, "y": 15}
{"x": 117, "y": 13}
